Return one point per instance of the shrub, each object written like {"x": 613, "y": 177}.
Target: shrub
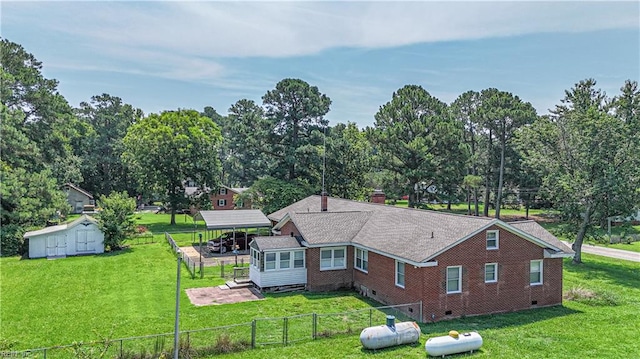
{"x": 590, "y": 297}
{"x": 116, "y": 218}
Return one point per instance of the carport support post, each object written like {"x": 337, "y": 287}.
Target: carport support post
{"x": 176, "y": 334}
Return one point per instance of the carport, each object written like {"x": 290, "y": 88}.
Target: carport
{"x": 232, "y": 220}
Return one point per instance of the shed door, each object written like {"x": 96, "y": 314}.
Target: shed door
{"x": 85, "y": 241}
{"x": 81, "y": 241}
{"x": 62, "y": 245}
{"x": 56, "y": 246}
{"x": 79, "y": 206}
{"x": 52, "y": 243}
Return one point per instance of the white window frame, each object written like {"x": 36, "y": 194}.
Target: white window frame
{"x": 363, "y": 256}
{"x": 294, "y": 259}
{"x": 497, "y": 239}
{"x": 401, "y": 278}
{"x": 495, "y": 272}
{"x": 275, "y": 261}
{"x": 222, "y": 202}
{"x": 255, "y": 258}
{"x": 541, "y": 271}
{"x": 459, "y": 289}
{"x": 284, "y": 261}
{"x": 223, "y": 191}
{"x": 333, "y": 265}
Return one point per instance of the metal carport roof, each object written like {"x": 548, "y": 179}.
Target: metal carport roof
{"x": 238, "y": 218}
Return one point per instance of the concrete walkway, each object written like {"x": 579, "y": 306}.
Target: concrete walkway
{"x": 609, "y": 252}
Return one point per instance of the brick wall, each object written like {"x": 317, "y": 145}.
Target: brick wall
{"x": 325, "y": 280}
{"x": 511, "y": 292}
{"x": 215, "y": 196}
{"x": 379, "y": 282}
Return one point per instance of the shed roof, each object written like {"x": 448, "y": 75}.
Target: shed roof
{"x": 84, "y": 219}
{"x": 239, "y": 218}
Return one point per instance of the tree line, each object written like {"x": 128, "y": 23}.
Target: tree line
{"x": 488, "y": 147}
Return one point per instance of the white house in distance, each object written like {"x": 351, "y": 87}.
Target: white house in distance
{"x": 81, "y": 236}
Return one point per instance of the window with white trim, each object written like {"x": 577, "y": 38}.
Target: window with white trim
{"x": 535, "y": 272}
{"x": 454, "y": 279}
{"x": 269, "y": 261}
{"x": 285, "y": 260}
{"x": 222, "y": 202}
{"x": 298, "y": 259}
{"x": 362, "y": 259}
{"x": 400, "y": 274}
{"x": 492, "y": 239}
{"x": 255, "y": 257}
{"x": 491, "y": 272}
{"x": 223, "y": 191}
{"x": 332, "y": 258}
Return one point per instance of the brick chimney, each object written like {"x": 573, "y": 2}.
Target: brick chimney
{"x": 378, "y": 196}
{"x": 323, "y": 201}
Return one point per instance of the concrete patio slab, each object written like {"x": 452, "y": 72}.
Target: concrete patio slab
{"x": 222, "y": 295}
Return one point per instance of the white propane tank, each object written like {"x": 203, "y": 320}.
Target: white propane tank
{"x": 389, "y": 335}
{"x": 453, "y": 343}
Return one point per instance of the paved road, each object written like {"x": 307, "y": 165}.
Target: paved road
{"x": 609, "y": 252}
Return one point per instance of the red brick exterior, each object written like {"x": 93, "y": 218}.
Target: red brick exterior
{"x": 428, "y": 284}
{"x": 228, "y": 197}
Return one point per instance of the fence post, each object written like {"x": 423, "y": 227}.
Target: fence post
{"x": 421, "y": 318}
{"x": 314, "y": 326}
{"x": 201, "y": 270}
{"x": 193, "y": 272}
{"x": 285, "y": 331}
{"x": 121, "y": 353}
{"x": 222, "y": 269}
{"x": 253, "y": 334}
{"x": 45, "y": 353}
{"x": 370, "y": 315}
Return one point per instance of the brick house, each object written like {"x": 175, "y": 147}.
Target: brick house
{"x": 223, "y": 198}
{"x": 456, "y": 265}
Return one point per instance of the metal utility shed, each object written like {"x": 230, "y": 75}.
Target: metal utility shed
{"x": 232, "y": 220}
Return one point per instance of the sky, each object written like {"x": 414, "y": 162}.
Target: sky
{"x": 166, "y": 55}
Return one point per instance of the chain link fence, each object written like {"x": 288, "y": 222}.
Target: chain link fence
{"x": 232, "y": 338}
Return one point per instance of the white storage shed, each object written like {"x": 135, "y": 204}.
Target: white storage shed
{"x": 81, "y": 236}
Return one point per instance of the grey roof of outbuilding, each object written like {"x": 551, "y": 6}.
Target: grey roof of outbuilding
{"x": 413, "y": 234}
{"x": 61, "y": 227}
{"x": 275, "y": 242}
{"x": 237, "y": 218}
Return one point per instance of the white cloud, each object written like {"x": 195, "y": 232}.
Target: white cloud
{"x": 278, "y": 29}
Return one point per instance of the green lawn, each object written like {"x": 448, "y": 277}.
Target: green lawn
{"x": 128, "y": 293}
{"x": 45, "y": 303}
{"x": 461, "y": 208}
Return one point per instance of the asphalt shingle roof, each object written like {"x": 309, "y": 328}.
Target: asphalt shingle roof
{"x": 414, "y": 234}
{"x": 275, "y": 242}
{"x": 536, "y": 230}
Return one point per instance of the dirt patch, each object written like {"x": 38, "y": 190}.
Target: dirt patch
{"x": 222, "y": 295}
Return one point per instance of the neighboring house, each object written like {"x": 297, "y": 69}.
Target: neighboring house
{"x": 456, "y": 265}
{"x": 634, "y": 218}
{"x": 78, "y": 198}
{"x": 223, "y": 198}
{"x": 81, "y": 236}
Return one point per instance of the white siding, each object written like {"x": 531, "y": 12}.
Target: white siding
{"x": 94, "y": 237}
{"x": 274, "y": 278}
{"x": 38, "y": 247}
